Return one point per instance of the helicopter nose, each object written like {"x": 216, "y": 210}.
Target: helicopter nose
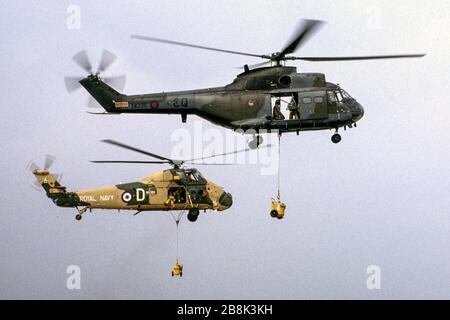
{"x": 357, "y": 111}
{"x": 226, "y": 199}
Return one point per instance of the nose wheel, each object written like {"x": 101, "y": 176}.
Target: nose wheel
{"x": 336, "y": 138}
{"x": 193, "y": 214}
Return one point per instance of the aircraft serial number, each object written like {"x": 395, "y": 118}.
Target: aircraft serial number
{"x": 177, "y": 102}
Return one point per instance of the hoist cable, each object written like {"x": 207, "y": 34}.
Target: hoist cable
{"x": 279, "y": 160}
{"x": 177, "y": 222}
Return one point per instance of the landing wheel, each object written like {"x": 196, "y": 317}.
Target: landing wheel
{"x": 274, "y": 214}
{"x": 78, "y": 217}
{"x": 279, "y": 217}
{"x": 193, "y": 215}
{"x": 336, "y": 138}
{"x": 256, "y": 142}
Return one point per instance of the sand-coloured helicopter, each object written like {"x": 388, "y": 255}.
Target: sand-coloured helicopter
{"x": 168, "y": 190}
{"x": 247, "y": 102}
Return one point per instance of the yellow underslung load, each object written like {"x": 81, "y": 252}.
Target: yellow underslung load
{"x": 277, "y": 207}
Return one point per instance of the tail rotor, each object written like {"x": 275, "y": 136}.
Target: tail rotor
{"x": 72, "y": 83}
{"x": 34, "y": 168}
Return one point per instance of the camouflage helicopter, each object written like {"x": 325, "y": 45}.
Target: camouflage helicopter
{"x": 247, "y": 102}
{"x": 172, "y": 189}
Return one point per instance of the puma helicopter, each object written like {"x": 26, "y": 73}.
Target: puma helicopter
{"x": 246, "y": 104}
{"x": 177, "y": 188}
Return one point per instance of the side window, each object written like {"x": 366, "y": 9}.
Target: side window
{"x": 318, "y": 99}
{"x": 152, "y": 190}
{"x": 306, "y": 100}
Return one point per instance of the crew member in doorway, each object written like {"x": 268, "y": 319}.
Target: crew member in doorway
{"x": 277, "y": 114}
{"x": 294, "y": 112}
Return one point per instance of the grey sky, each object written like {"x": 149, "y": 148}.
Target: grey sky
{"x": 379, "y": 197}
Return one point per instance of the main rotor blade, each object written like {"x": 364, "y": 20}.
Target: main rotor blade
{"x": 117, "y": 83}
{"x": 304, "y": 31}
{"x": 319, "y": 59}
{"x": 256, "y": 65}
{"x": 135, "y": 36}
{"x": 126, "y": 161}
{"x": 211, "y": 164}
{"x": 82, "y": 59}
{"x": 72, "y": 83}
{"x": 107, "y": 59}
{"x": 122, "y": 145}
{"x": 228, "y": 153}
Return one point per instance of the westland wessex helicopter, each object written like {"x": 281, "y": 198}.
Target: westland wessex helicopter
{"x": 246, "y": 103}
{"x": 171, "y": 189}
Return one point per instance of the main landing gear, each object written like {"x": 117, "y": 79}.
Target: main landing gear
{"x": 256, "y": 142}
{"x": 336, "y": 138}
{"x": 80, "y": 213}
{"x": 193, "y": 214}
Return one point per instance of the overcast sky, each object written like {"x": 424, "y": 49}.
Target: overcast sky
{"x": 380, "y": 197}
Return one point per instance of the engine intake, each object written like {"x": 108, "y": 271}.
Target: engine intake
{"x": 285, "y": 81}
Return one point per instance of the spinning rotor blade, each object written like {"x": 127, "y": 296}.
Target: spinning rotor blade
{"x": 256, "y": 65}
{"x": 58, "y": 176}
{"x": 211, "y": 164}
{"x": 36, "y": 186}
{"x": 135, "y": 36}
{"x": 82, "y": 59}
{"x": 48, "y": 161}
{"x": 117, "y": 83}
{"x": 72, "y": 83}
{"x": 92, "y": 103}
{"x": 122, "y": 145}
{"x": 32, "y": 166}
{"x": 107, "y": 59}
{"x": 303, "y": 33}
{"x": 127, "y": 161}
{"x": 319, "y": 59}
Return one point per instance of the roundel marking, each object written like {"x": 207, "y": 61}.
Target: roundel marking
{"x": 126, "y": 197}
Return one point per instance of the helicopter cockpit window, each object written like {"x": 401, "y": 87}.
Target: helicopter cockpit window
{"x": 180, "y": 174}
{"x": 190, "y": 176}
{"x": 194, "y": 176}
{"x": 338, "y": 95}
{"x": 199, "y": 176}
{"x": 345, "y": 94}
{"x": 331, "y": 96}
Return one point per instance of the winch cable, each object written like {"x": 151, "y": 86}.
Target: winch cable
{"x": 177, "y": 220}
{"x": 279, "y": 160}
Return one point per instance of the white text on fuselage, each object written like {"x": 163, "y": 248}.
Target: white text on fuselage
{"x": 91, "y": 198}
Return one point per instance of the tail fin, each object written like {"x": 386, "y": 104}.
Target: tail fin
{"x": 49, "y": 183}
{"x": 56, "y": 191}
{"x": 104, "y": 94}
